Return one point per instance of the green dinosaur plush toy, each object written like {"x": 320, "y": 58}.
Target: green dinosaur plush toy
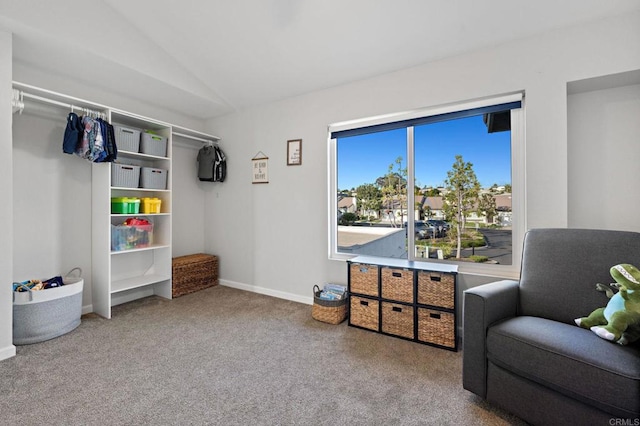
{"x": 619, "y": 321}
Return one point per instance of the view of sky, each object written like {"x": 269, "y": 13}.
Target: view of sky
{"x": 363, "y": 159}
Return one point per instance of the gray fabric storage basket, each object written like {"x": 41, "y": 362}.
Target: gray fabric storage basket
{"x": 127, "y": 139}
{"x": 125, "y": 175}
{"x": 151, "y": 178}
{"x": 44, "y": 314}
{"x": 153, "y": 144}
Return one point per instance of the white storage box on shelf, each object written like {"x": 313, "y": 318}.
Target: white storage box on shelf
{"x": 125, "y": 175}
{"x": 127, "y": 139}
{"x": 151, "y": 178}
{"x": 153, "y": 144}
{"x": 44, "y": 314}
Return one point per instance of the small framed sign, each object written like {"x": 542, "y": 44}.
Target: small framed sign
{"x": 260, "y": 168}
{"x": 294, "y": 152}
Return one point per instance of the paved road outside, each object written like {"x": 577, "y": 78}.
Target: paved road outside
{"x": 499, "y": 246}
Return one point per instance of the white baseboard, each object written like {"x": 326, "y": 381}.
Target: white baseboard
{"x": 269, "y": 292}
{"x": 8, "y": 352}
{"x": 87, "y": 309}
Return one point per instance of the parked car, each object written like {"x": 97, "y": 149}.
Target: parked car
{"x": 429, "y": 229}
{"x": 423, "y": 230}
{"x": 441, "y": 227}
{"x": 418, "y": 229}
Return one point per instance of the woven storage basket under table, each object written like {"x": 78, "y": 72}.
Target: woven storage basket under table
{"x": 364, "y": 313}
{"x": 193, "y": 272}
{"x": 329, "y": 311}
{"x": 437, "y": 327}
{"x": 397, "y": 319}
{"x": 397, "y": 284}
{"x": 364, "y": 279}
{"x": 436, "y": 289}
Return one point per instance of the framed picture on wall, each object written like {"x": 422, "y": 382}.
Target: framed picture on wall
{"x": 260, "y": 168}
{"x": 294, "y": 152}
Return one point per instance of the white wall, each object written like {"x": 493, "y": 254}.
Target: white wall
{"x": 6, "y": 208}
{"x": 229, "y": 209}
{"x": 278, "y": 242}
{"x": 187, "y": 212}
{"x": 604, "y": 158}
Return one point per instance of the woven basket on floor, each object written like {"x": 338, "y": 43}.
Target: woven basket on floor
{"x": 329, "y": 311}
{"x": 194, "y": 272}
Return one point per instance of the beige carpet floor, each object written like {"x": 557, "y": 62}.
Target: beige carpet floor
{"x": 222, "y": 356}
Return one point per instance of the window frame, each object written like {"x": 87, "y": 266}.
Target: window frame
{"x": 518, "y": 177}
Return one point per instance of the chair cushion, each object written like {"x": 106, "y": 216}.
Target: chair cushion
{"x": 570, "y": 360}
{"x": 560, "y": 269}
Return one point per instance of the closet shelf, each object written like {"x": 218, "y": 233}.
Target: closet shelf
{"x": 131, "y": 154}
{"x": 151, "y": 247}
{"x": 193, "y": 135}
{"x": 137, "y": 282}
{"x": 124, "y": 188}
{"x": 138, "y": 214}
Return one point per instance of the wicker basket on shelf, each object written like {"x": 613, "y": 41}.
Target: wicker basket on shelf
{"x": 329, "y": 311}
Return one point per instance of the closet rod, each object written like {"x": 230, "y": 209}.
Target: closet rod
{"x": 195, "y": 138}
{"x": 22, "y": 86}
{"x": 62, "y": 104}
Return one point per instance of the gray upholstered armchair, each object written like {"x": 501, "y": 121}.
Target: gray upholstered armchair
{"x": 522, "y": 350}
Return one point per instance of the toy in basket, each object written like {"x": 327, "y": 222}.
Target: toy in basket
{"x": 47, "y": 309}
{"x": 330, "y": 304}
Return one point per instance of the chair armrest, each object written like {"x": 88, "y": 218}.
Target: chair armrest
{"x": 483, "y": 305}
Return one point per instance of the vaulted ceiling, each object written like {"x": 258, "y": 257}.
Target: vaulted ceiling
{"x": 207, "y": 58}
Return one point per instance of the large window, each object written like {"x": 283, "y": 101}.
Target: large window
{"x": 443, "y": 184}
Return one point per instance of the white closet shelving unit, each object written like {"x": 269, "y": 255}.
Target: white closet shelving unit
{"x": 121, "y": 276}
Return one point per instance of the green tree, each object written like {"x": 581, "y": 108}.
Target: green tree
{"x": 369, "y": 198}
{"x": 433, "y": 192}
{"x": 391, "y": 178}
{"x": 462, "y": 196}
{"x": 348, "y": 218}
{"x": 394, "y": 190}
{"x": 487, "y": 207}
{"x": 507, "y": 188}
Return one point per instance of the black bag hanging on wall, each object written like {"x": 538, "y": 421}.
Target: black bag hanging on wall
{"x": 212, "y": 164}
{"x": 206, "y": 159}
{"x": 219, "y": 166}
